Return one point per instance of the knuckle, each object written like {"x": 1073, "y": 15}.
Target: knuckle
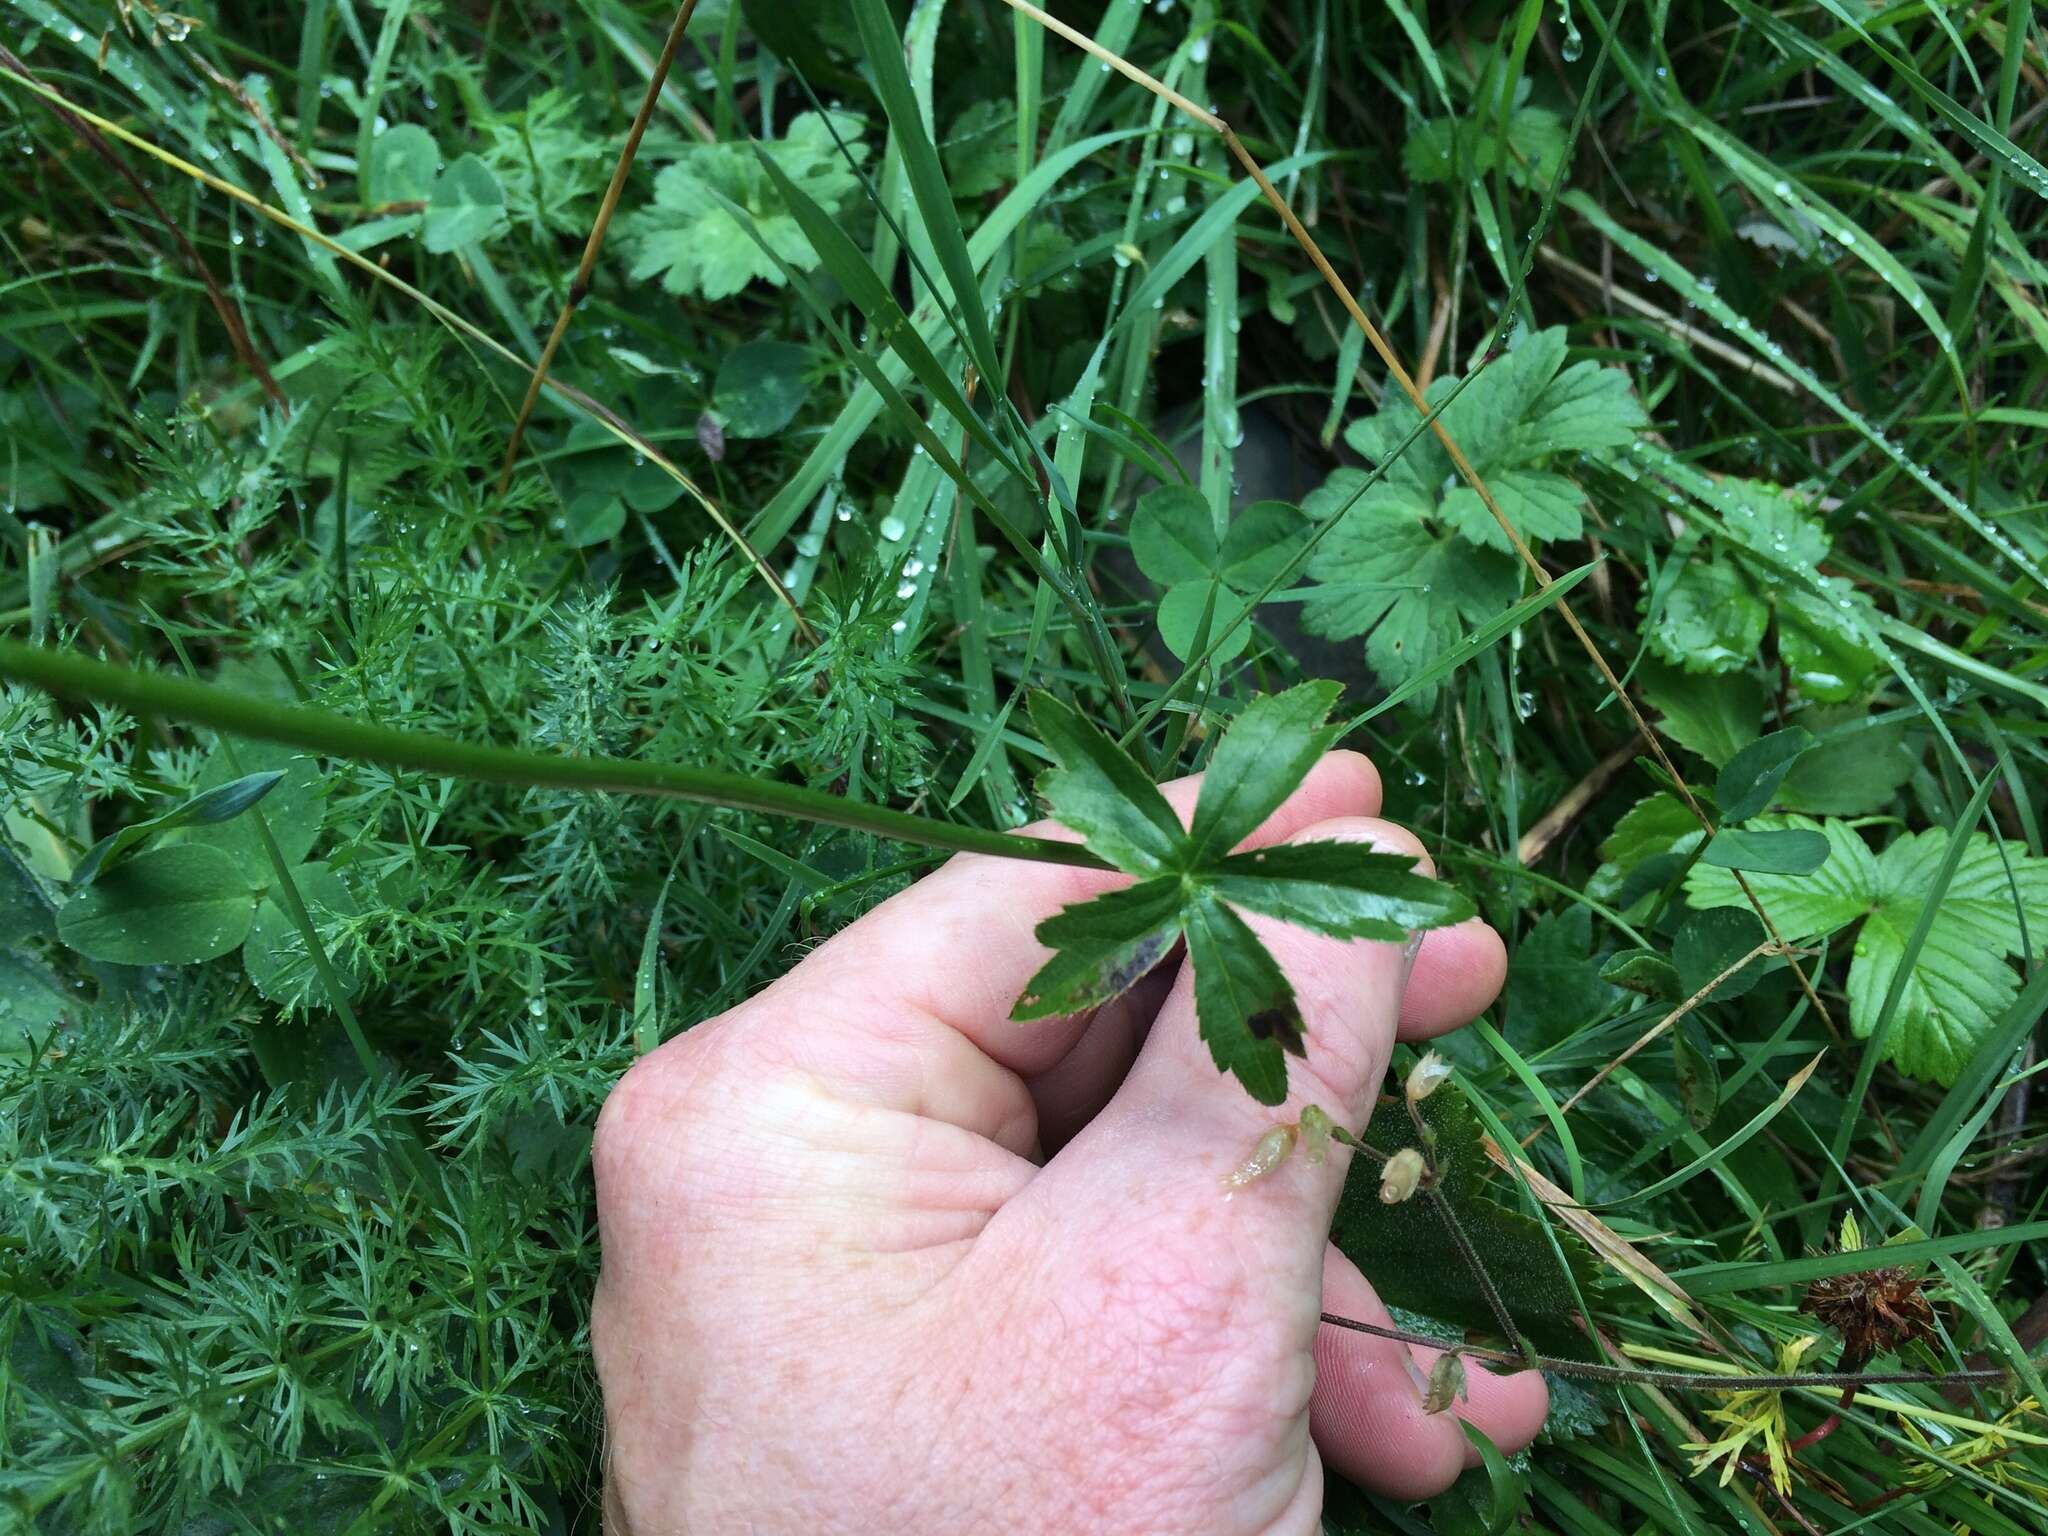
{"x": 653, "y": 1102}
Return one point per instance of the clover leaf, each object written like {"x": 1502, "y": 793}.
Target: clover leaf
{"x": 1192, "y": 885}
{"x": 1173, "y": 539}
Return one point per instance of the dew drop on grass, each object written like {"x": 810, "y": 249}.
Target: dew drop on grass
{"x": 890, "y": 528}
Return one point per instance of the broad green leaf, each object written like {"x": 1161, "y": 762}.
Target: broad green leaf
{"x": 688, "y": 237}
{"x": 1715, "y": 716}
{"x": 1824, "y": 652}
{"x": 1699, "y": 1076}
{"x": 593, "y": 517}
{"x": 1952, "y": 995}
{"x": 1101, "y": 947}
{"x": 466, "y": 207}
{"x": 1779, "y": 852}
{"x": 31, "y": 1000}
{"x": 1850, "y": 774}
{"x": 760, "y": 387}
{"x": 1959, "y": 982}
{"x": 1342, "y": 889}
{"x": 1266, "y": 751}
{"x": 1554, "y": 982}
{"x": 1712, "y": 619}
{"x": 275, "y": 951}
{"x": 403, "y": 161}
{"x": 208, "y": 807}
{"x": 1644, "y": 971}
{"x": 25, "y": 911}
{"x": 1802, "y": 907}
{"x": 1243, "y": 1003}
{"x": 1709, "y": 942}
{"x": 1260, "y": 543}
{"x": 166, "y": 906}
{"x": 1173, "y": 535}
{"x": 1100, "y": 792}
{"x": 1193, "y": 612}
{"x": 1750, "y": 780}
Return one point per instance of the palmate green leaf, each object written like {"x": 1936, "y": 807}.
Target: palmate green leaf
{"x": 687, "y": 236}
{"x": 1101, "y": 947}
{"x": 1513, "y": 420}
{"x": 1407, "y": 584}
{"x": 165, "y": 906}
{"x": 1243, "y": 1003}
{"x": 1959, "y": 981}
{"x": 1099, "y": 790}
{"x": 1341, "y": 889}
{"x": 1267, "y": 751}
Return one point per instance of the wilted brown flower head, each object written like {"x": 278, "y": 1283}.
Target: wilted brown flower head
{"x": 1874, "y": 1310}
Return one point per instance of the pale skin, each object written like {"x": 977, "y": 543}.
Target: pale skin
{"x": 877, "y": 1258}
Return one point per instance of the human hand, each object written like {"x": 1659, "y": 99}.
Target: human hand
{"x": 878, "y": 1258}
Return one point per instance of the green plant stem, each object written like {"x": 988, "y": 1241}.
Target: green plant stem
{"x": 1690, "y": 1381}
{"x": 314, "y": 730}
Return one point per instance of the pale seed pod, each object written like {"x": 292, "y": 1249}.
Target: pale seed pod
{"x": 1315, "y": 1135}
{"x": 1426, "y": 1076}
{"x": 1268, "y": 1153}
{"x": 1402, "y": 1176}
{"x": 1446, "y": 1383}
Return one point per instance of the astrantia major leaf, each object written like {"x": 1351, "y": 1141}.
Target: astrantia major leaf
{"x": 1342, "y": 889}
{"x": 1099, "y": 790}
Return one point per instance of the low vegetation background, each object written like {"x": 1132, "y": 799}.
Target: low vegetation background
{"x": 928, "y": 359}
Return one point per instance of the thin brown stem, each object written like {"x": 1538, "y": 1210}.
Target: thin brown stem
{"x": 580, "y": 284}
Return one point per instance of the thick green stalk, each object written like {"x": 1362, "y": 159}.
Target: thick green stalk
{"x": 314, "y": 730}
